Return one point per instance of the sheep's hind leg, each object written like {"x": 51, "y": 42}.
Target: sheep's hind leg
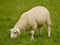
{"x": 48, "y": 23}
{"x": 40, "y": 30}
{"x": 49, "y": 31}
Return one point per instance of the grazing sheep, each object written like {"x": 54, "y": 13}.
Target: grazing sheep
{"x": 33, "y": 18}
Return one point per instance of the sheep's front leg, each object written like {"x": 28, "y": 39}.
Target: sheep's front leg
{"x": 32, "y": 34}
{"x": 34, "y": 26}
{"x": 32, "y": 31}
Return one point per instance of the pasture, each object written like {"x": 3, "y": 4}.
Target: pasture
{"x": 10, "y": 12}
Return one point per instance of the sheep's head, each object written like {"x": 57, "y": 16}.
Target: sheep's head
{"x": 14, "y": 32}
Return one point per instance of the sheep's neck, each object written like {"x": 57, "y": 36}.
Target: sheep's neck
{"x": 21, "y": 24}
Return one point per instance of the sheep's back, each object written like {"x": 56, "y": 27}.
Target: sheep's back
{"x": 38, "y": 14}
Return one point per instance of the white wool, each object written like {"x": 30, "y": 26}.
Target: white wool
{"x": 37, "y": 15}
{"x": 34, "y": 18}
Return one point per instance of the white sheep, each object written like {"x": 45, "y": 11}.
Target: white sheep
{"x": 33, "y": 18}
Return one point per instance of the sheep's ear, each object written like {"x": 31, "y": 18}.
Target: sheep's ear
{"x": 18, "y": 31}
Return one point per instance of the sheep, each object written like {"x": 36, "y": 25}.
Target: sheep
{"x": 34, "y": 18}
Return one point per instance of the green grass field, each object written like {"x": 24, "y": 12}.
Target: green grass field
{"x": 11, "y": 10}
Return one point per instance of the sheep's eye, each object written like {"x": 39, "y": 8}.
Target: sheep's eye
{"x": 14, "y": 32}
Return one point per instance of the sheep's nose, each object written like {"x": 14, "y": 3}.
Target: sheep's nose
{"x": 11, "y": 37}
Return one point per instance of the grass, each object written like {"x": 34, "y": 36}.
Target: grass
{"x": 11, "y": 10}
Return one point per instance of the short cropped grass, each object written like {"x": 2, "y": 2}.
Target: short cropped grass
{"x": 10, "y": 12}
